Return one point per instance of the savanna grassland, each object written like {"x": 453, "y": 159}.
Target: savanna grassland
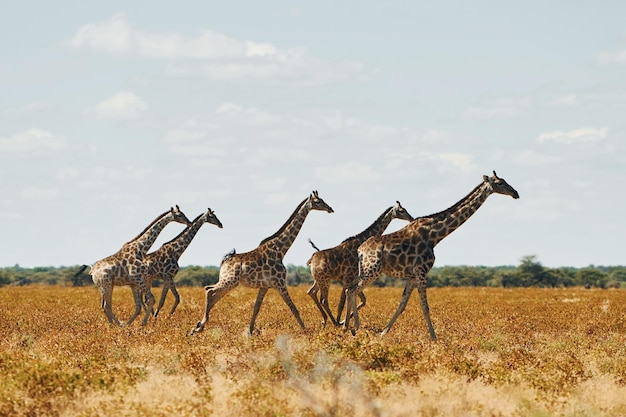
{"x": 500, "y": 352}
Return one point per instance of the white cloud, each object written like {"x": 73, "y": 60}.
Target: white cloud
{"x": 211, "y": 54}
{"x": 462, "y": 161}
{"x": 531, "y": 157}
{"x": 113, "y": 36}
{"x": 67, "y": 173}
{"x": 569, "y": 100}
{"x": 581, "y": 135}
{"x": 38, "y": 193}
{"x": 32, "y": 141}
{"x": 117, "y": 36}
{"x": 612, "y": 57}
{"x": 497, "y": 109}
{"x": 123, "y": 105}
{"x": 347, "y": 172}
{"x": 36, "y": 107}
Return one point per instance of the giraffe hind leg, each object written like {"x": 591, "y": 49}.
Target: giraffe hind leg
{"x": 287, "y": 299}
{"x": 406, "y": 294}
{"x": 107, "y": 295}
{"x": 313, "y": 294}
{"x": 324, "y": 301}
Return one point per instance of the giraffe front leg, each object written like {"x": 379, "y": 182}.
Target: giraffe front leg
{"x": 164, "y": 291}
{"x": 361, "y": 304}
{"x": 149, "y": 306}
{"x": 213, "y": 295}
{"x": 137, "y": 297}
{"x": 363, "y": 300}
{"x": 351, "y": 310}
{"x": 341, "y": 305}
{"x": 257, "y": 308}
{"x": 425, "y": 310}
{"x": 176, "y": 299}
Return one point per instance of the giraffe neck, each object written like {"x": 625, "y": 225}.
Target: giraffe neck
{"x": 376, "y": 228}
{"x": 459, "y": 213}
{"x": 144, "y": 241}
{"x": 180, "y": 243}
{"x": 282, "y": 240}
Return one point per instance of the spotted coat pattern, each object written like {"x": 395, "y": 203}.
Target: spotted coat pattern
{"x": 262, "y": 267}
{"x": 127, "y": 267}
{"x": 341, "y": 263}
{"x": 163, "y": 263}
{"x": 409, "y": 252}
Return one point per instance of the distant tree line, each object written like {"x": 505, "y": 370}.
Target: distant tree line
{"x": 529, "y": 273}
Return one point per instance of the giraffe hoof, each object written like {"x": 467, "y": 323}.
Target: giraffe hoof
{"x": 353, "y": 331}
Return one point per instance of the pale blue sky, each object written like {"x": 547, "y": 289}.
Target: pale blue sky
{"x": 112, "y": 112}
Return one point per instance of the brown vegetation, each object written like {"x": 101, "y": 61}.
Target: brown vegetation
{"x": 501, "y": 352}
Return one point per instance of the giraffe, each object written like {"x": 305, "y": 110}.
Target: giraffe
{"x": 341, "y": 263}
{"x": 409, "y": 252}
{"x": 127, "y": 267}
{"x": 262, "y": 267}
{"x": 163, "y": 262}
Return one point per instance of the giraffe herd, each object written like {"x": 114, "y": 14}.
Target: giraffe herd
{"x": 356, "y": 262}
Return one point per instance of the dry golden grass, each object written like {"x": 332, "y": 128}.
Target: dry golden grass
{"x": 519, "y": 352}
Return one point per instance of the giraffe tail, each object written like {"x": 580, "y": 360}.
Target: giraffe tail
{"x": 313, "y": 244}
{"x": 80, "y": 271}
{"x": 228, "y": 255}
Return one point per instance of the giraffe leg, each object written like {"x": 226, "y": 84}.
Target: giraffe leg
{"x": 137, "y": 296}
{"x": 257, "y": 307}
{"x": 287, "y": 299}
{"x": 313, "y": 294}
{"x": 150, "y": 305}
{"x": 164, "y": 291}
{"x": 213, "y": 295}
{"x": 176, "y": 298}
{"x": 406, "y": 294}
{"x": 363, "y": 300}
{"x": 107, "y": 296}
{"x": 351, "y": 310}
{"x": 361, "y": 304}
{"x": 340, "y": 306}
{"x": 324, "y": 301}
{"x": 425, "y": 310}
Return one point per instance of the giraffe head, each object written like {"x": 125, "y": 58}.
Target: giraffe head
{"x": 178, "y": 216}
{"x": 316, "y": 203}
{"x": 399, "y": 212}
{"x": 210, "y": 217}
{"x": 500, "y": 186}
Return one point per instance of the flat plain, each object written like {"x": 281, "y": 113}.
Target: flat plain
{"x": 500, "y": 352}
